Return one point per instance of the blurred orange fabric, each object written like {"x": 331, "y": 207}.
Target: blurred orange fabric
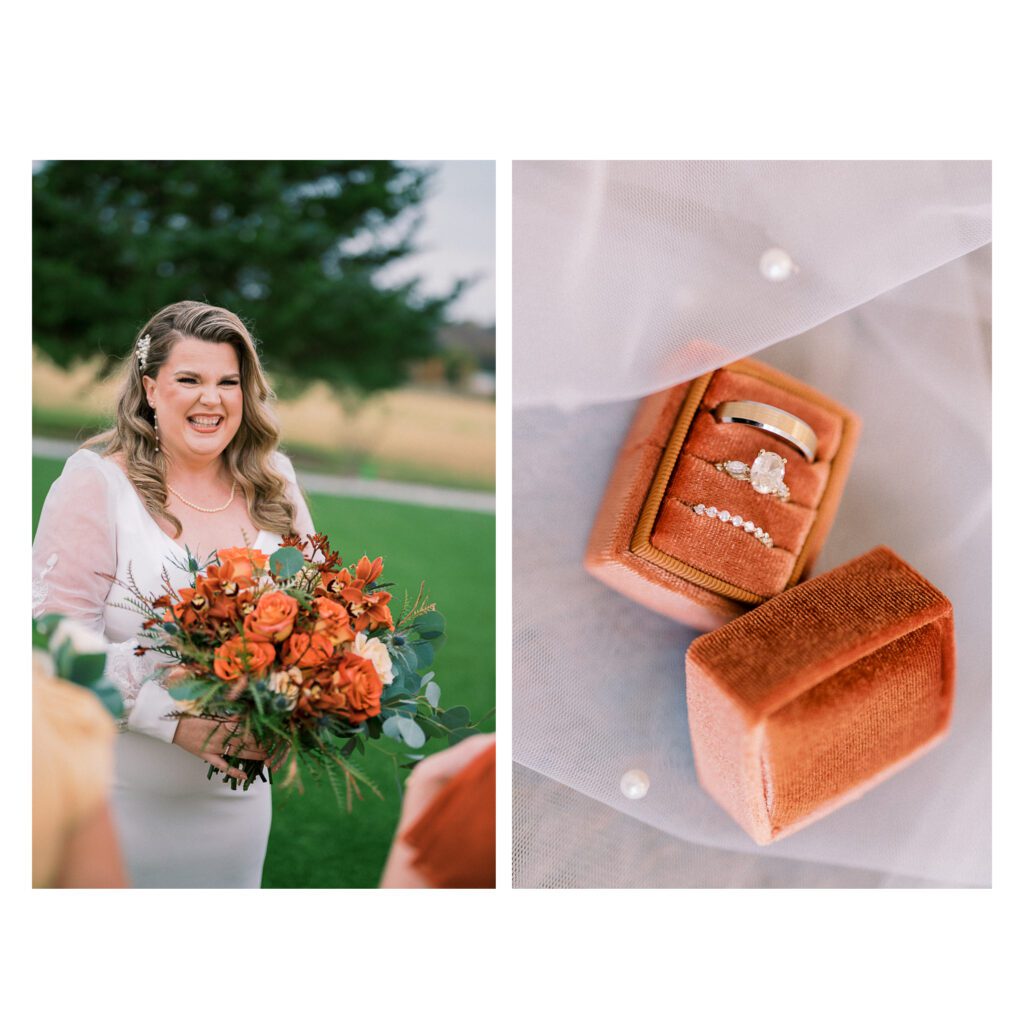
{"x": 454, "y": 837}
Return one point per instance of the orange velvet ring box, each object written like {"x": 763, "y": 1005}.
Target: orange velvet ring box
{"x": 809, "y": 691}
{"x": 804, "y": 703}
{"x": 648, "y": 543}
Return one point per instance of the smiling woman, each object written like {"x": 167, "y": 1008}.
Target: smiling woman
{"x": 198, "y": 364}
{"x": 191, "y": 465}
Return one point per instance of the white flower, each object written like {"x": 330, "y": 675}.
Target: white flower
{"x": 374, "y": 651}
{"x": 287, "y": 684}
{"x": 83, "y": 640}
{"x": 307, "y": 577}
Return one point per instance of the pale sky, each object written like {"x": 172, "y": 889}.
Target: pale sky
{"x": 456, "y": 238}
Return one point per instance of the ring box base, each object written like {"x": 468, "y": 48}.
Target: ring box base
{"x": 647, "y": 542}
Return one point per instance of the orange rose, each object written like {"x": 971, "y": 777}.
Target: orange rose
{"x": 306, "y": 651}
{"x": 238, "y": 564}
{"x": 242, "y": 655}
{"x": 355, "y": 689}
{"x": 332, "y": 621}
{"x": 273, "y": 616}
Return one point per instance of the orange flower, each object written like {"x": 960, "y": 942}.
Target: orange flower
{"x": 242, "y": 655}
{"x": 273, "y": 617}
{"x": 191, "y": 610}
{"x": 239, "y": 564}
{"x": 306, "y": 651}
{"x": 353, "y": 691}
{"x": 332, "y": 621}
{"x": 370, "y": 611}
{"x": 356, "y": 689}
{"x": 367, "y": 571}
{"x": 366, "y": 610}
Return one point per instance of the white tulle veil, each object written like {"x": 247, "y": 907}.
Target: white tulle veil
{"x": 870, "y": 280}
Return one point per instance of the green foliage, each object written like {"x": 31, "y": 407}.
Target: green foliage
{"x": 84, "y": 668}
{"x": 42, "y": 630}
{"x": 291, "y": 246}
{"x": 286, "y": 562}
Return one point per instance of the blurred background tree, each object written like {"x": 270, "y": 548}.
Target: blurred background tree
{"x": 293, "y": 247}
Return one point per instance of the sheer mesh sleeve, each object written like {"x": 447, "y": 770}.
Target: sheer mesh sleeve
{"x": 74, "y": 543}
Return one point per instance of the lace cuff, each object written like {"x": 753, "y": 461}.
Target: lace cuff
{"x": 146, "y": 702}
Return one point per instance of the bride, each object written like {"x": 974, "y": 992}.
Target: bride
{"x": 191, "y": 463}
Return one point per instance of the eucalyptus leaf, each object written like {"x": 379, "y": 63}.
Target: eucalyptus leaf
{"x": 285, "y": 562}
{"x": 456, "y": 717}
{"x": 42, "y": 629}
{"x": 109, "y": 696}
{"x": 404, "y": 658}
{"x": 429, "y": 625}
{"x": 47, "y": 623}
{"x": 424, "y": 653}
{"x": 86, "y": 668}
{"x": 62, "y": 659}
{"x": 391, "y": 728}
{"x": 392, "y": 690}
{"x": 433, "y": 693}
{"x": 430, "y": 727}
{"x": 188, "y": 689}
{"x": 411, "y": 732}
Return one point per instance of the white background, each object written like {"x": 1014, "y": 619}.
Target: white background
{"x": 468, "y": 81}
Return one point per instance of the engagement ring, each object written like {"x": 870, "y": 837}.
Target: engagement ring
{"x": 774, "y": 421}
{"x": 765, "y": 475}
{"x": 748, "y": 527}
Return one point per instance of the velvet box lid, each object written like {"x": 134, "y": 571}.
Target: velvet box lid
{"x": 809, "y": 700}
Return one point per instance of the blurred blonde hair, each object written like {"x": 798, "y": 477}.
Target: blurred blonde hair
{"x": 248, "y": 456}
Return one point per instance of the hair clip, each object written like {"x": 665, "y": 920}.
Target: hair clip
{"x": 142, "y": 350}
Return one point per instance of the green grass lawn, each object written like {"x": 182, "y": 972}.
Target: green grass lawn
{"x": 313, "y": 842}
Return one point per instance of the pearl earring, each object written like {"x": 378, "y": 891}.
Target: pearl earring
{"x": 156, "y": 429}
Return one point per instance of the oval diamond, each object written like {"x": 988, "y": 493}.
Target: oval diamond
{"x": 737, "y": 520}
{"x": 736, "y": 468}
{"x": 711, "y": 512}
{"x": 767, "y": 472}
{"x": 749, "y": 526}
{"x": 724, "y": 516}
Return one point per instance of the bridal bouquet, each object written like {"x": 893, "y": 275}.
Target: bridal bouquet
{"x": 304, "y": 654}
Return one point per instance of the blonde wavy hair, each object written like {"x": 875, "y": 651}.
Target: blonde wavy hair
{"x": 250, "y": 453}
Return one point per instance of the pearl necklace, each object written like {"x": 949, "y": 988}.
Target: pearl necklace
{"x": 199, "y": 508}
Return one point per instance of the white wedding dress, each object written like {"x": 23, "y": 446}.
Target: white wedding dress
{"x": 177, "y": 829}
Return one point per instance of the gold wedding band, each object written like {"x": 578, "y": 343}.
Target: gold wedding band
{"x": 777, "y": 422}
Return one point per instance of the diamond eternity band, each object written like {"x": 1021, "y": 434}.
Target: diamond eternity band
{"x": 726, "y": 517}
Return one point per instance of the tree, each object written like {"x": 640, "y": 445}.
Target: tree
{"x": 290, "y": 246}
